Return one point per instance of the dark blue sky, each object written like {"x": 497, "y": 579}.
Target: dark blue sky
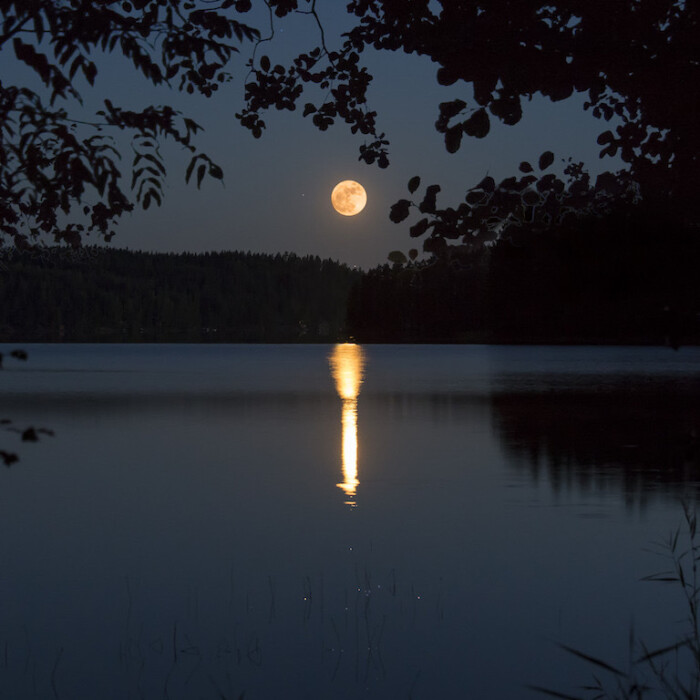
{"x": 276, "y": 191}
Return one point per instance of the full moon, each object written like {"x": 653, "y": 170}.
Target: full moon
{"x": 348, "y": 198}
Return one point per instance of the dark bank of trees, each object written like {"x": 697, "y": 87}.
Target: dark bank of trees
{"x": 119, "y": 295}
{"x": 628, "y": 277}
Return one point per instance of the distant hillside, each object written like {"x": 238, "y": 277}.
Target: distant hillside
{"x": 114, "y": 295}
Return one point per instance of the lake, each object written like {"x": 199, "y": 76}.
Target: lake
{"x": 308, "y": 521}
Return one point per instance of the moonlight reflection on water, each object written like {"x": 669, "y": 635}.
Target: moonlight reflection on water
{"x": 347, "y": 367}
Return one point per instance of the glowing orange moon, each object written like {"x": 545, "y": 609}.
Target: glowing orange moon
{"x": 348, "y": 198}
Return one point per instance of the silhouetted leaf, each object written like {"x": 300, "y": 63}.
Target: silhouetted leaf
{"x": 413, "y": 184}
{"x": 399, "y": 210}
{"x": 90, "y": 71}
{"x": 488, "y": 184}
{"x": 38, "y": 26}
{"x": 478, "y": 124}
{"x": 29, "y": 435}
{"x": 446, "y": 77}
{"x": 265, "y": 63}
{"x": 507, "y": 108}
{"x": 525, "y": 167}
{"x": 413, "y": 253}
{"x": 427, "y": 206}
{"x": 451, "y": 109}
{"x": 546, "y": 159}
{"x": 8, "y": 458}
{"x": 397, "y": 257}
{"x": 453, "y": 138}
{"x": 419, "y": 228}
{"x": 190, "y": 168}
{"x": 476, "y": 196}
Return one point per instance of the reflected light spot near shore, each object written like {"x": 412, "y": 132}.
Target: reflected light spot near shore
{"x": 347, "y": 366}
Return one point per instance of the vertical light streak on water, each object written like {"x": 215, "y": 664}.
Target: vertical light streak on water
{"x": 347, "y": 367}
{"x": 350, "y": 480}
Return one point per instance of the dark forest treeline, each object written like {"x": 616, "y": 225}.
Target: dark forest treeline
{"x": 630, "y": 277}
{"x": 98, "y": 294}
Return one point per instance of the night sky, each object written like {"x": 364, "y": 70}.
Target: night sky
{"x": 276, "y": 191}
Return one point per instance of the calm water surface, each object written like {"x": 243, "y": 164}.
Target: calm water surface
{"x": 319, "y": 521}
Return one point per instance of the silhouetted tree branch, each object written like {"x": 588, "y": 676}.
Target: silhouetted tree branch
{"x": 637, "y": 61}
{"x": 61, "y": 177}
